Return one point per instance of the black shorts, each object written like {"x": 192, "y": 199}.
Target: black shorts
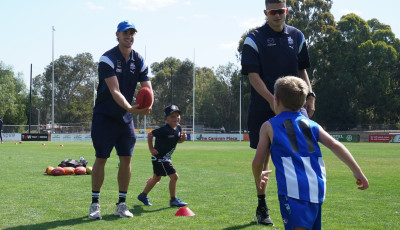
{"x": 108, "y": 133}
{"x": 255, "y": 119}
{"x": 163, "y": 168}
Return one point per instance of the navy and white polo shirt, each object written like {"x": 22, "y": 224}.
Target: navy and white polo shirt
{"x": 299, "y": 167}
{"x": 272, "y": 55}
{"x": 112, "y": 63}
{"x": 166, "y": 140}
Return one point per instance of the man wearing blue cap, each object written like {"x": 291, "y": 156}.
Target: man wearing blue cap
{"x": 120, "y": 69}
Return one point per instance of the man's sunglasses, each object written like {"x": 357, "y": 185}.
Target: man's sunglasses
{"x": 277, "y": 11}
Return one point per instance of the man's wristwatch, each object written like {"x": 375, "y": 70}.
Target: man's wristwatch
{"x": 312, "y": 94}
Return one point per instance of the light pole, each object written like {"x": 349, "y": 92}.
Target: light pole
{"x": 38, "y": 119}
{"x": 52, "y": 87}
{"x": 171, "y": 84}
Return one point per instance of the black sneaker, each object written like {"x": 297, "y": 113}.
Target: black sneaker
{"x": 262, "y": 216}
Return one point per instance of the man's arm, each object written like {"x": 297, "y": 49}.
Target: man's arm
{"x": 262, "y": 152}
{"x": 310, "y": 103}
{"x": 344, "y": 155}
{"x": 257, "y": 83}
{"x": 113, "y": 86}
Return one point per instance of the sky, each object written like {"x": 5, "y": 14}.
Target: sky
{"x": 206, "y": 31}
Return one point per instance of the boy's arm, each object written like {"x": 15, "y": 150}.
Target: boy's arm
{"x": 150, "y": 143}
{"x": 263, "y": 146}
{"x": 344, "y": 155}
{"x": 183, "y": 137}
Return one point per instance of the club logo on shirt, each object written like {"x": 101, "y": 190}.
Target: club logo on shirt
{"x": 171, "y": 136}
{"x": 271, "y": 42}
{"x": 119, "y": 67}
{"x": 290, "y": 42}
{"x": 285, "y": 221}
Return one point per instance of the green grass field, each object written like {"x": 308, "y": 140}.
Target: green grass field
{"x": 215, "y": 179}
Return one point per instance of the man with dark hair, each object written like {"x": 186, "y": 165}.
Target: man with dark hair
{"x": 120, "y": 69}
{"x": 269, "y": 52}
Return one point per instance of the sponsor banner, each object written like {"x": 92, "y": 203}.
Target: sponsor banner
{"x": 34, "y": 137}
{"x": 218, "y": 137}
{"x": 346, "y": 137}
{"x": 384, "y": 138}
{"x": 141, "y": 131}
{"x": 85, "y": 137}
{"x": 71, "y": 137}
{"x": 11, "y": 136}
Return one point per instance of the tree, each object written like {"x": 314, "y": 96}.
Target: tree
{"x": 73, "y": 91}
{"x": 13, "y": 97}
{"x": 229, "y": 76}
{"x": 312, "y": 17}
{"x": 354, "y": 66}
{"x": 357, "y": 78}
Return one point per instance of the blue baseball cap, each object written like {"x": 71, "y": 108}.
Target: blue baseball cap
{"x": 125, "y": 25}
{"x": 170, "y": 109}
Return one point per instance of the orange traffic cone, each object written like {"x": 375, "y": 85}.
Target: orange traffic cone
{"x": 184, "y": 211}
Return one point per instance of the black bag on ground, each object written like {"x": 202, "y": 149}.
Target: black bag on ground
{"x": 73, "y": 163}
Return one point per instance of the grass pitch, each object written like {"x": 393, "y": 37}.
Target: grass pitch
{"x": 215, "y": 179}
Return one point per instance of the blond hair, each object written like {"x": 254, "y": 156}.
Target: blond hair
{"x": 292, "y": 92}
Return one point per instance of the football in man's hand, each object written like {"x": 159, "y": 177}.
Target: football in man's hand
{"x": 144, "y": 97}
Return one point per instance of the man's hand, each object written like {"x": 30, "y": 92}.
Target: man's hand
{"x": 263, "y": 178}
{"x": 135, "y": 110}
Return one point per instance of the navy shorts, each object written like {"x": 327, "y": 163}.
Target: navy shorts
{"x": 299, "y": 213}
{"x": 107, "y": 133}
{"x": 163, "y": 168}
{"x": 255, "y": 119}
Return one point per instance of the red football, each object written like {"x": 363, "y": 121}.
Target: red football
{"x": 57, "y": 171}
{"x": 144, "y": 97}
{"x": 80, "y": 170}
{"x": 69, "y": 170}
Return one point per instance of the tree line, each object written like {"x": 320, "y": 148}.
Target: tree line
{"x": 355, "y": 72}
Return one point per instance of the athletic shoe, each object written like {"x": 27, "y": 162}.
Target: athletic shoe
{"x": 177, "y": 203}
{"x": 262, "y": 216}
{"x": 94, "y": 212}
{"x": 122, "y": 210}
{"x": 144, "y": 200}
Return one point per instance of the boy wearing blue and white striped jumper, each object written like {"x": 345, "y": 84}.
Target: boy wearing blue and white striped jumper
{"x": 299, "y": 167}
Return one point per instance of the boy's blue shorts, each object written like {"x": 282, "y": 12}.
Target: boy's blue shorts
{"x": 107, "y": 133}
{"x": 299, "y": 213}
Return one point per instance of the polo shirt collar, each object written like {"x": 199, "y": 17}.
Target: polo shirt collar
{"x": 273, "y": 32}
{"x": 122, "y": 57}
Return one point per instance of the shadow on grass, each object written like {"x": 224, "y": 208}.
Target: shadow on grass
{"x": 53, "y": 224}
{"x": 241, "y": 226}
{"x": 137, "y": 211}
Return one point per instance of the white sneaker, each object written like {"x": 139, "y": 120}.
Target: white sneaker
{"x": 122, "y": 210}
{"x": 94, "y": 212}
